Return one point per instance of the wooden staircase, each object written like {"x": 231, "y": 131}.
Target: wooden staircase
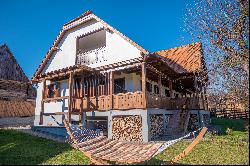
{"x": 178, "y": 124}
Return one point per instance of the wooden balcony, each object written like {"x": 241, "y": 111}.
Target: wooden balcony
{"x": 125, "y": 101}
{"x": 90, "y": 91}
{"x": 92, "y": 56}
{"x": 190, "y": 102}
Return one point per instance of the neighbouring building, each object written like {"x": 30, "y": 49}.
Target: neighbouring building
{"x": 15, "y": 87}
{"x": 98, "y": 78}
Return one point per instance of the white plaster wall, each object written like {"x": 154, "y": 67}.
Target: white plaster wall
{"x": 59, "y": 106}
{"x": 38, "y": 98}
{"x": 66, "y": 56}
{"x": 132, "y": 81}
{"x": 117, "y": 48}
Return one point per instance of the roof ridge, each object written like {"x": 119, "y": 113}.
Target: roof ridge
{"x": 194, "y": 43}
{"x": 80, "y": 16}
{"x": 11, "y": 55}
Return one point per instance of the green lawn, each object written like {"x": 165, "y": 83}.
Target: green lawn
{"x": 20, "y": 148}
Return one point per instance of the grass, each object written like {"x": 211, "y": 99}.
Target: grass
{"x": 233, "y": 148}
{"x": 214, "y": 150}
{"x": 21, "y": 148}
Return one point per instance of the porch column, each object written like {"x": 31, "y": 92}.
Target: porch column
{"x": 206, "y": 100}
{"x": 42, "y": 102}
{"x": 196, "y": 84}
{"x": 171, "y": 88}
{"x": 70, "y": 96}
{"x": 160, "y": 86}
{"x": 143, "y": 82}
{"x": 111, "y": 88}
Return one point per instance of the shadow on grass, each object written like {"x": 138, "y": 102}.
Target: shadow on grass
{"x": 21, "y": 148}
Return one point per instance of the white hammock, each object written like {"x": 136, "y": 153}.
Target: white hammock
{"x": 172, "y": 142}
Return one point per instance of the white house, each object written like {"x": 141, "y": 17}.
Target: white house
{"x": 96, "y": 77}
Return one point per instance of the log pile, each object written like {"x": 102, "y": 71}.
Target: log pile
{"x": 127, "y": 128}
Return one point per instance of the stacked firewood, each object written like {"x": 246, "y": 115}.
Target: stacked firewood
{"x": 127, "y": 128}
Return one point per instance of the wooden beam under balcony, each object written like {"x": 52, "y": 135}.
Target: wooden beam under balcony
{"x": 55, "y": 99}
{"x": 152, "y": 68}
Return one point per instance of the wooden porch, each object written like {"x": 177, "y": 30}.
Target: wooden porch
{"x": 91, "y": 90}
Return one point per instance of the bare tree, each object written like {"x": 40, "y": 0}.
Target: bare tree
{"x": 223, "y": 28}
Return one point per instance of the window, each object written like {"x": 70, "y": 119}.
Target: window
{"x": 167, "y": 93}
{"x": 119, "y": 85}
{"x": 52, "y": 90}
{"x": 156, "y": 89}
{"x": 92, "y": 41}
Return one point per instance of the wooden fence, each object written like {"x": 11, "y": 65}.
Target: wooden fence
{"x": 191, "y": 102}
{"x": 16, "y": 108}
{"x": 230, "y": 114}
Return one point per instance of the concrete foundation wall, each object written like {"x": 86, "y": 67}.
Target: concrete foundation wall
{"x": 144, "y": 114}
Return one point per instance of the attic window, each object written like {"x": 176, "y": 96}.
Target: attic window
{"x": 92, "y": 41}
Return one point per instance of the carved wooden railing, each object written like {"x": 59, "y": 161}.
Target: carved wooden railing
{"x": 121, "y": 101}
{"x": 135, "y": 100}
{"x": 128, "y": 100}
{"x": 156, "y": 101}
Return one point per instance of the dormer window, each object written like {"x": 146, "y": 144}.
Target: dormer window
{"x": 92, "y": 41}
{"x": 91, "y": 47}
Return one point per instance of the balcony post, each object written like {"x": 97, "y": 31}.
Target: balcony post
{"x": 70, "y": 96}
{"x": 171, "y": 88}
{"x": 160, "y": 85}
{"x": 42, "y": 102}
{"x": 143, "y": 81}
{"x": 111, "y": 88}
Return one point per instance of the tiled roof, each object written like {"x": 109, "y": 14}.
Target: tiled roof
{"x": 9, "y": 67}
{"x": 184, "y": 59}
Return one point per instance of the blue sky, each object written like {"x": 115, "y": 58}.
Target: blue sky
{"x": 29, "y": 27}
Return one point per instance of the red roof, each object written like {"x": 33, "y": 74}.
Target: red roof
{"x": 184, "y": 59}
